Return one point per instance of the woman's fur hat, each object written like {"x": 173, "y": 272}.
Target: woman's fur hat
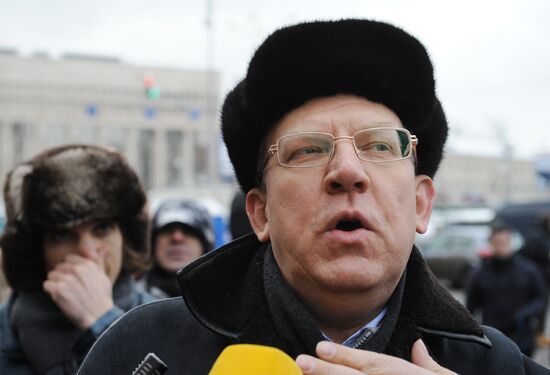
{"x": 61, "y": 188}
{"x": 371, "y": 59}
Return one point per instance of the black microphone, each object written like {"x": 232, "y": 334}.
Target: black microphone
{"x": 151, "y": 365}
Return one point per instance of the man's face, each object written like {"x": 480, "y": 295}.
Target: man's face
{"x": 501, "y": 242}
{"x": 305, "y": 212}
{"x": 176, "y": 247}
{"x": 99, "y": 241}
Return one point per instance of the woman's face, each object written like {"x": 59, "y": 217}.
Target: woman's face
{"x": 99, "y": 241}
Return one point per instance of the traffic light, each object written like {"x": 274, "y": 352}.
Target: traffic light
{"x": 152, "y": 91}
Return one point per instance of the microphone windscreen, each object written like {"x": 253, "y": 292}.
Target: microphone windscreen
{"x": 247, "y": 359}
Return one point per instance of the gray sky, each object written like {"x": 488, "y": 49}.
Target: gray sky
{"x": 491, "y": 57}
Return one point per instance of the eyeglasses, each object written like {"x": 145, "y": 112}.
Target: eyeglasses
{"x": 310, "y": 149}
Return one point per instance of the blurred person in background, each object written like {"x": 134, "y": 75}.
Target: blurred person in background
{"x": 181, "y": 232}
{"x": 239, "y": 224}
{"x": 508, "y": 291}
{"x": 4, "y": 288}
{"x": 76, "y": 231}
{"x": 537, "y": 245}
{"x": 537, "y": 250}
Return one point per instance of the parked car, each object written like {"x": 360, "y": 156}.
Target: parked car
{"x": 451, "y": 214}
{"x": 523, "y": 216}
{"x": 457, "y": 249}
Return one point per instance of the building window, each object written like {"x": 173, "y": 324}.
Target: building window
{"x": 84, "y": 134}
{"x": 116, "y": 138}
{"x": 201, "y": 157}
{"x": 18, "y": 136}
{"x": 146, "y": 138}
{"x": 53, "y": 135}
{"x": 174, "y": 158}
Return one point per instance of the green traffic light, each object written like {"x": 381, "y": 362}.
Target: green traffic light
{"x": 153, "y": 93}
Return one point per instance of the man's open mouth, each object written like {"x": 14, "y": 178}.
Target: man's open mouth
{"x": 349, "y": 225}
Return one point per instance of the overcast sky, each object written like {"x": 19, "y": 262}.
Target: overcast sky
{"x": 492, "y": 57}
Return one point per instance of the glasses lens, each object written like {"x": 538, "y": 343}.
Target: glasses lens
{"x": 304, "y": 149}
{"x": 382, "y": 144}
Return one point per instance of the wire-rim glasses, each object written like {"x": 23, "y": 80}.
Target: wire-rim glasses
{"x": 310, "y": 149}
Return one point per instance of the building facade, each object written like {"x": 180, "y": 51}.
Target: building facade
{"x": 164, "y": 120}
{"x": 472, "y": 180}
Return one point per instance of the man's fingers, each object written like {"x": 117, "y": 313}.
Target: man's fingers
{"x": 314, "y": 366}
{"x": 422, "y": 358}
{"x": 337, "y": 359}
{"x": 357, "y": 359}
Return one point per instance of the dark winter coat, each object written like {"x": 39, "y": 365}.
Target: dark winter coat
{"x": 158, "y": 283}
{"x": 537, "y": 250}
{"x": 237, "y": 295}
{"x": 66, "y": 345}
{"x": 510, "y": 294}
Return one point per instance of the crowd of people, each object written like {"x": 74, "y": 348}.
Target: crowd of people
{"x": 335, "y": 134}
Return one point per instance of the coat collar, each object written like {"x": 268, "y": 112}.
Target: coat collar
{"x": 225, "y": 291}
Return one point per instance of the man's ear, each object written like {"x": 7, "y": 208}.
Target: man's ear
{"x": 256, "y": 204}
{"x": 425, "y": 195}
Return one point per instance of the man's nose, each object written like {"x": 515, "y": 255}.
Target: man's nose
{"x": 177, "y": 235}
{"x": 346, "y": 172}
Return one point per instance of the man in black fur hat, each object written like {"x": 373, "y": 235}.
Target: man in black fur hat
{"x": 76, "y": 231}
{"x": 335, "y": 134}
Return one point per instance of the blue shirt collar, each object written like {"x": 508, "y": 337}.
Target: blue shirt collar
{"x": 373, "y": 325}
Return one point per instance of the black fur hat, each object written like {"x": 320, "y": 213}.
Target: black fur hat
{"x": 61, "y": 188}
{"x": 367, "y": 58}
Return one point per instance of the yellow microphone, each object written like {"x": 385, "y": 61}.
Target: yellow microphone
{"x": 247, "y": 359}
